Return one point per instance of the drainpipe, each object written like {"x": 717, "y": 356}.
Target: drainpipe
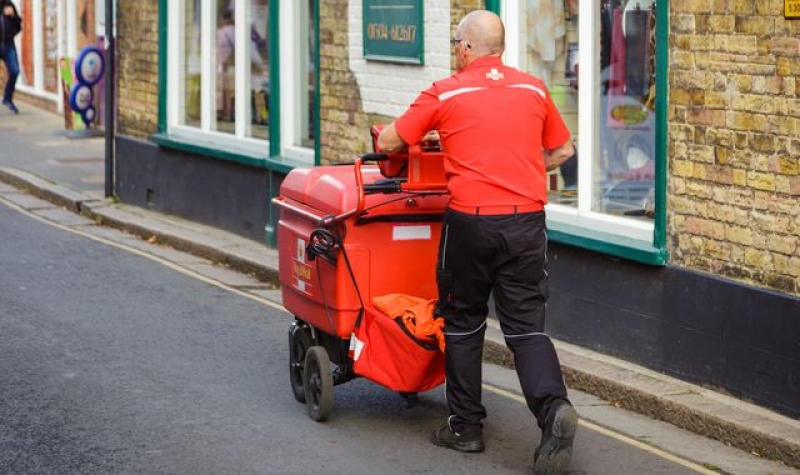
{"x": 110, "y": 86}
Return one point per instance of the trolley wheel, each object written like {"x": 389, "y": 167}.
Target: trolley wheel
{"x": 318, "y": 383}
{"x": 299, "y": 343}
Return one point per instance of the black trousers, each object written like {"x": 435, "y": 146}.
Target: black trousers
{"x": 505, "y": 254}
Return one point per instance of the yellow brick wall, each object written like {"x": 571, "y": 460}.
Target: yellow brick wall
{"x": 345, "y": 127}
{"x": 137, "y": 68}
{"x": 734, "y": 141}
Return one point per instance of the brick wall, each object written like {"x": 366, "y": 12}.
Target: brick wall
{"x": 344, "y": 125}
{"x": 137, "y": 68}
{"x": 734, "y": 141}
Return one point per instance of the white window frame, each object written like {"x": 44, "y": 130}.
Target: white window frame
{"x": 589, "y": 144}
{"x": 292, "y": 72}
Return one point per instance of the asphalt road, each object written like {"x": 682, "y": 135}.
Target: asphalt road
{"x": 112, "y": 362}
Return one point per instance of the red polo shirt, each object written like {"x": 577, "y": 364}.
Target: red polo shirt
{"x": 493, "y": 121}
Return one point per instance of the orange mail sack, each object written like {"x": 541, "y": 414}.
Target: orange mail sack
{"x": 386, "y": 346}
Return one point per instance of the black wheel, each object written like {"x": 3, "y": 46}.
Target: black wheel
{"x": 299, "y": 343}
{"x": 318, "y": 383}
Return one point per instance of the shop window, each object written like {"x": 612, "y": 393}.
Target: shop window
{"x": 609, "y": 185}
{"x": 219, "y": 84}
{"x": 214, "y": 68}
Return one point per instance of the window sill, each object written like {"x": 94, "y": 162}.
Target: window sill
{"x": 279, "y": 164}
{"x": 607, "y": 243}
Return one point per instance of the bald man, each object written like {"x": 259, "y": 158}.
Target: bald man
{"x": 500, "y": 132}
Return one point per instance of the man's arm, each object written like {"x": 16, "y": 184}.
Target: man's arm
{"x": 389, "y": 140}
{"x": 556, "y": 157}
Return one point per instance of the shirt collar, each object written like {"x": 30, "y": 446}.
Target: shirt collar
{"x": 484, "y": 61}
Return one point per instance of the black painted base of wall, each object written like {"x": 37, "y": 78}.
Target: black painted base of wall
{"x": 211, "y": 191}
{"x": 696, "y": 327}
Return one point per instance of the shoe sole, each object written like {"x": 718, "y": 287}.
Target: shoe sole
{"x": 474, "y": 446}
{"x": 554, "y": 457}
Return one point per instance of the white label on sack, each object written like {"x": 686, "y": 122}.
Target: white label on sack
{"x": 407, "y": 233}
{"x": 356, "y": 346}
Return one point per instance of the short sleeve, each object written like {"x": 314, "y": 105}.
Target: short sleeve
{"x": 420, "y": 118}
{"x": 554, "y": 131}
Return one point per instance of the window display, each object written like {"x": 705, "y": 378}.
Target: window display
{"x": 221, "y": 78}
{"x": 624, "y": 170}
{"x": 550, "y": 41}
{"x": 224, "y": 79}
{"x": 256, "y": 75}
{"x": 623, "y": 162}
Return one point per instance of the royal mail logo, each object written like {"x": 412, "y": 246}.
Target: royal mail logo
{"x": 494, "y": 75}
{"x": 301, "y": 271}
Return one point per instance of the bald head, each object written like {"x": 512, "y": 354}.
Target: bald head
{"x": 484, "y": 32}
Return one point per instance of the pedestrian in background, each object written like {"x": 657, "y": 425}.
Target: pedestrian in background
{"x": 10, "y": 26}
{"x": 500, "y": 132}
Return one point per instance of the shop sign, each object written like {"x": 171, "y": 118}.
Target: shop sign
{"x": 393, "y": 31}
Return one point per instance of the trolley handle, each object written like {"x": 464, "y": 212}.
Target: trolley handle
{"x": 374, "y": 157}
{"x": 393, "y": 186}
{"x": 332, "y": 219}
{"x": 384, "y": 186}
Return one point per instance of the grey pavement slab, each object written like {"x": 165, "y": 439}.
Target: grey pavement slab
{"x": 112, "y": 234}
{"x": 63, "y": 216}
{"x": 38, "y": 144}
{"x": 273, "y": 295}
{"x": 44, "y": 188}
{"x": 224, "y": 275}
{"x": 27, "y": 201}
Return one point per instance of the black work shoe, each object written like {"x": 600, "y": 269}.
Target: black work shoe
{"x": 555, "y": 450}
{"x": 468, "y": 439}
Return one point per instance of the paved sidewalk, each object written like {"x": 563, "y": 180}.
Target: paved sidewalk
{"x": 37, "y": 157}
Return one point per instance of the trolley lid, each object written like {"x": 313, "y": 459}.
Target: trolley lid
{"x": 330, "y": 189}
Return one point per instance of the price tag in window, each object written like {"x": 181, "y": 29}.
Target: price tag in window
{"x": 791, "y": 8}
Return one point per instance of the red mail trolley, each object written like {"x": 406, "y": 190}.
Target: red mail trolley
{"x": 346, "y": 234}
